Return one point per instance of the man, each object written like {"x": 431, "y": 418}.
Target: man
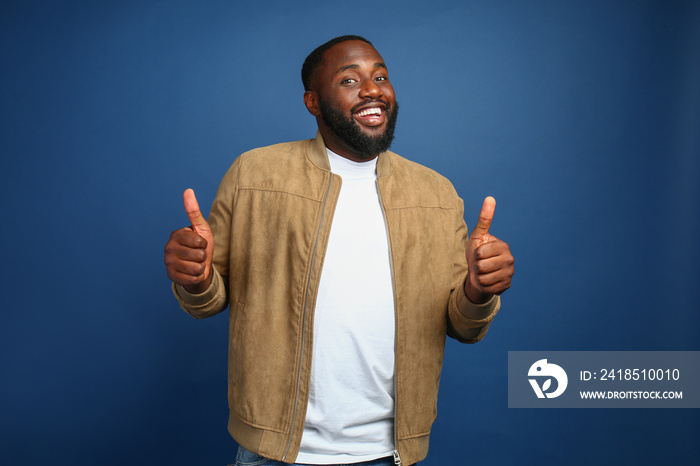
{"x": 345, "y": 266}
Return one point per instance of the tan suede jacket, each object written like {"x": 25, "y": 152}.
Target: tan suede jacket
{"x": 271, "y": 220}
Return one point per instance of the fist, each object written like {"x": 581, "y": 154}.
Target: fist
{"x": 491, "y": 265}
{"x": 189, "y": 251}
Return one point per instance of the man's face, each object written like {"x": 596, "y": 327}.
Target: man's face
{"x": 355, "y": 100}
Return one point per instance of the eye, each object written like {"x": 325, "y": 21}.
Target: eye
{"x": 381, "y": 78}
{"x": 348, "y": 81}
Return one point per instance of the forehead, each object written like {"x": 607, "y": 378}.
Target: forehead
{"x": 349, "y": 53}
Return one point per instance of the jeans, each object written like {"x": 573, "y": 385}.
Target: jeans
{"x": 248, "y": 458}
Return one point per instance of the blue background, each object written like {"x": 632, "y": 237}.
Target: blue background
{"x": 582, "y": 118}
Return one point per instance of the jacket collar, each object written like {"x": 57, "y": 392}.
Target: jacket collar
{"x": 318, "y": 156}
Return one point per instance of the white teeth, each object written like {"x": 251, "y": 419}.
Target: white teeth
{"x": 370, "y": 111}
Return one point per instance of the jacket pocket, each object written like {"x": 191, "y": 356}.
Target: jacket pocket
{"x": 261, "y": 366}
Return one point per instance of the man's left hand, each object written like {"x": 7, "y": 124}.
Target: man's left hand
{"x": 491, "y": 265}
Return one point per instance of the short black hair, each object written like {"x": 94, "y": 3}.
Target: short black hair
{"x": 313, "y": 61}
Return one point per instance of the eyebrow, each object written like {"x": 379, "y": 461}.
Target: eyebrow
{"x": 355, "y": 66}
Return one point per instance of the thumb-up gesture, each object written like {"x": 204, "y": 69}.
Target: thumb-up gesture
{"x": 189, "y": 251}
{"x": 490, "y": 261}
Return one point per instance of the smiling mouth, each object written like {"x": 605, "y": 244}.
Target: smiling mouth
{"x": 370, "y": 116}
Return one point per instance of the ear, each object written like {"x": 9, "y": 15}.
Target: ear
{"x": 311, "y": 102}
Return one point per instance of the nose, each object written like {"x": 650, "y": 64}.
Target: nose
{"x": 370, "y": 90}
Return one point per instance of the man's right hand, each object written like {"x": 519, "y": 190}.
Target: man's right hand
{"x": 189, "y": 252}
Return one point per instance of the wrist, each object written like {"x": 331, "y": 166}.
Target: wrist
{"x": 200, "y": 287}
{"x": 475, "y": 295}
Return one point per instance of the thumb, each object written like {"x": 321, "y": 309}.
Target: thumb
{"x": 193, "y": 212}
{"x": 485, "y": 217}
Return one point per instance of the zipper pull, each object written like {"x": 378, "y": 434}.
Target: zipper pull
{"x": 397, "y": 458}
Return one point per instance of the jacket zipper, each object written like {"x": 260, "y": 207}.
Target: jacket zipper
{"x": 303, "y": 322}
{"x": 397, "y": 457}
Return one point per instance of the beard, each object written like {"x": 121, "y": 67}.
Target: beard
{"x": 348, "y": 131}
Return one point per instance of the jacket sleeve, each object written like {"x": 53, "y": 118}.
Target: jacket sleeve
{"x": 216, "y": 298}
{"x": 207, "y": 304}
{"x": 467, "y": 322}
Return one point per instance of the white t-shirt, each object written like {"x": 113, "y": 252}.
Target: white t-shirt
{"x": 350, "y": 415}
